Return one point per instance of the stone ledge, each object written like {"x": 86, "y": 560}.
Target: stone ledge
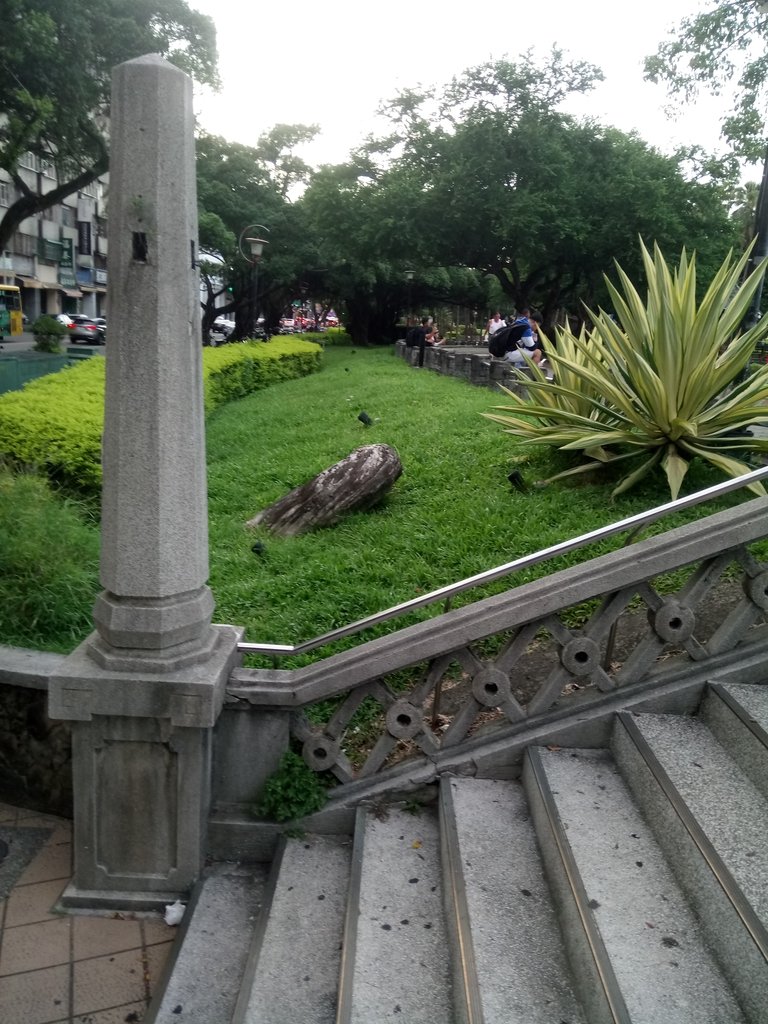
{"x": 468, "y": 362}
{"x": 191, "y": 697}
{"x": 20, "y": 666}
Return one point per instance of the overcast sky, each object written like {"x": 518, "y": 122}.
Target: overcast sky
{"x": 333, "y": 62}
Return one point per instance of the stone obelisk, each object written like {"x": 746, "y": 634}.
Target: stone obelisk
{"x": 144, "y": 691}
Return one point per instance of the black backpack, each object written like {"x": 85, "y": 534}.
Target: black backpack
{"x": 412, "y": 337}
{"x": 506, "y": 339}
{"x": 499, "y": 343}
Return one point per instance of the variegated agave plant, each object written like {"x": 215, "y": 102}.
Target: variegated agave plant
{"x": 660, "y": 385}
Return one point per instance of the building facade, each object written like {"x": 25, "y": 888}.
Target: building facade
{"x": 58, "y": 257}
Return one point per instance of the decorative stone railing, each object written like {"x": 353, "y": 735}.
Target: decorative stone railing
{"x": 480, "y": 677}
{"x": 481, "y": 673}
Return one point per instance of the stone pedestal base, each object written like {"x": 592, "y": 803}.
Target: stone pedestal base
{"x": 142, "y": 754}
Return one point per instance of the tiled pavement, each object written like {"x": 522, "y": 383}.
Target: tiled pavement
{"x": 68, "y": 968}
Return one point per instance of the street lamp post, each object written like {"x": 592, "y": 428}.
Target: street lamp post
{"x": 253, "y": 256}
{"x": 409, "y": 275}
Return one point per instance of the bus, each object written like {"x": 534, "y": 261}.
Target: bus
{"x": 11, "y": 320}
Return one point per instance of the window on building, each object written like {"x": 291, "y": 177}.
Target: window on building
{"x": 5, "y": 193}
{"x": 24, "y": 245}
{"x": 68, "y": 216}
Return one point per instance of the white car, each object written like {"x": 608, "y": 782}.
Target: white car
{"x": 223, "y": 326}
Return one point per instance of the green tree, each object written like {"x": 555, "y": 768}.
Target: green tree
{"x": 544, "y": 202}
{"x": 718, "y": 48}
{"x": 366, "y": 238}
{"x": 489, "y": 175}
{"x": 276, "y": 150}
{"x": 56, "y": 60}
{"x": 238, "y": 186}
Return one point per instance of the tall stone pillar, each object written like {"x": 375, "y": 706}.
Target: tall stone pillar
{"x": 144, "y": 690}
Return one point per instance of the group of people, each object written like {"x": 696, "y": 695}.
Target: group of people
{"x": 510, "y": 340}
{"x": 423, "y": 335}
{"x": 506, "y": 339}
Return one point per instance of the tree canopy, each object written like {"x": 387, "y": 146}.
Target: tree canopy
{"x": 489, "y": 175}
{"x": 239, "y": 186}
{"x": 722, "y": 46}
{"x": 56, "y": 60}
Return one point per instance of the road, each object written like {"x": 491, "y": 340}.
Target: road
{"x": 20, "y": 343}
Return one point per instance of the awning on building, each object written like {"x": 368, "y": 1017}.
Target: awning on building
{"x": 30, "y": 282}
{"x": 88, "y": 288}
{"x": 72, "y": 293}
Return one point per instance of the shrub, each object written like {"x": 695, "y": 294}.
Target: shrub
{"x": 292, "y": 791}
{"x": 336, "y": 336}
{"x": 233, "y": 371}
{"x": 662, "y": 384}
{"x": 48, "y": 332}
{"x": 55, "y": 423}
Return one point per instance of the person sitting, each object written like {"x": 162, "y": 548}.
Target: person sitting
{"x": 523, "y": 338}
{"x": 434, "y": 338}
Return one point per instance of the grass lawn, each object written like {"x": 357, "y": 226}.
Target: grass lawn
{"x": 451, "y": 514}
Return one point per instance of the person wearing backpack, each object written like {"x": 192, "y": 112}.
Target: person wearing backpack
{"x": 523, "y": 338}
{"x": 510, "y": 342}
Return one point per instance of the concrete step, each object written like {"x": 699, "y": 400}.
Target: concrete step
{"x": 396, "y": 961}
{"x": 737, "y": 714}
{"x": 205, "y": 969}
{"x": 711, "y": 821}
{"x": 638, "y": 952}
{"x": 509, "y": 960}
{"x": 292, "y": 972}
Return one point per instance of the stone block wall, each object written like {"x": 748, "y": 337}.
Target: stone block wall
{"x": 35, "y": 753}
{"x": 469, "y": 362}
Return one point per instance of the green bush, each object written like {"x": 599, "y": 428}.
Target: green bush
{"x": 292, "y": 791}
{"x": 334, "y": 336}
{"x": 55, "y": 423}
{"x": 234, "y": 371}
{"x": 48, "y": 332}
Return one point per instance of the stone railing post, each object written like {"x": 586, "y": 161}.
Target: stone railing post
{"x": 143, "y": 692}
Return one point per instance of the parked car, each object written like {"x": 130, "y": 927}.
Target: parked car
{"x": 223, "y": 326}
{"x": 80, "y": 329}
{"x": 101, "y": 323}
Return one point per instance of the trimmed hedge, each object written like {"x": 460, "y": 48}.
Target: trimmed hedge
{"x": 234, "y": 371}
{"x": 54, "y": 423}
{"x": 331, "y": 336}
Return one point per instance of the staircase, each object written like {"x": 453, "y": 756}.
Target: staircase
{"x": 627, "y": 884}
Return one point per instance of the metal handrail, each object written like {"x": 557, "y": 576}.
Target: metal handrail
{"x": 447, "y": 592}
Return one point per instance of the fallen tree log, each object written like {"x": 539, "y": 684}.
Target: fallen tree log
{"x": 357, "y": 482}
